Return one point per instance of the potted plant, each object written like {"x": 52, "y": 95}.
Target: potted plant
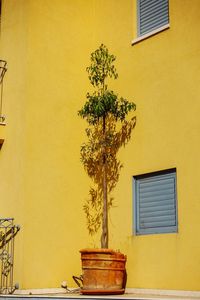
{"x": 108, "y": 129}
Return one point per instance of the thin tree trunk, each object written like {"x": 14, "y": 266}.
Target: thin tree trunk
{"x": 104, "y": 236}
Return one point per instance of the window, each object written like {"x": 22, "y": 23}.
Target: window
{"x": 152, "y": 17}
{"x": 155, "y": 203}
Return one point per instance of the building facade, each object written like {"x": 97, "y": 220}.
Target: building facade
{"x": 47, "y": 45}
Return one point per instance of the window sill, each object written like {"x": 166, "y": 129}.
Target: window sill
{"x": 145, "y": 36}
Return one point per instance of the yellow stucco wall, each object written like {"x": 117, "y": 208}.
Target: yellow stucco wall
{"x": 42, "y": 182}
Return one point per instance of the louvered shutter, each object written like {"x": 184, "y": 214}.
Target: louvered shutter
{"x": 156, "y": 203}
{"x": 152, "y": 14}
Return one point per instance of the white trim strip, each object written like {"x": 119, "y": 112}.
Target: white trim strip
{"x": 147, "y": 35}
{"x": 176, "y": 293}
{"x": 131, "y": 293}
{"x": 45, "y": 291}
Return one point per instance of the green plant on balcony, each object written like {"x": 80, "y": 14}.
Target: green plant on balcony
{"x": 109, "y": 128}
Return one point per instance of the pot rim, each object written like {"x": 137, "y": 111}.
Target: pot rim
{"x": 99, "y": 250}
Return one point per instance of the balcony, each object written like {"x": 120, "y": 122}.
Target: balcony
{"x": 3, "y": 69}
{"x": 2, "y": 133}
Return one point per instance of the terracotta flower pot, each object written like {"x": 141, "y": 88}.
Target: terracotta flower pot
{"x": 103, "y": 272}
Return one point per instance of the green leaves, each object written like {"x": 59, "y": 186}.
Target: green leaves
{"x": 107, "y": 132}
{"x": 102, "y": 105}
{"x": 101, "y": 66}
{"x": 103, "y": 102}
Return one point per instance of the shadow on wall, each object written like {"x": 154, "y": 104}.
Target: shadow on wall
{"x": 92, "y": 154}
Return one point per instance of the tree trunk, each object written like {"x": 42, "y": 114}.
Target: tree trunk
{"x": 104, "y": 236}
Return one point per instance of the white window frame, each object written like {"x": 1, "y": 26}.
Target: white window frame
{"x": 163, "y": 177}
{"x": 151, "y": 33}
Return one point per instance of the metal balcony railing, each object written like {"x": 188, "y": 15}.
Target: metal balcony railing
{"x": 3, "y": 69}
{"x": 7, "y": 233}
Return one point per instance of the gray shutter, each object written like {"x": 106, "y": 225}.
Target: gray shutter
{"x": 156, "y": 203}
{"x": 152, "y": 14}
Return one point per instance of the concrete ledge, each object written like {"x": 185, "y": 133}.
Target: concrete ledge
{"x": 155, "y": 292}
{"x": 131, "y": 293}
